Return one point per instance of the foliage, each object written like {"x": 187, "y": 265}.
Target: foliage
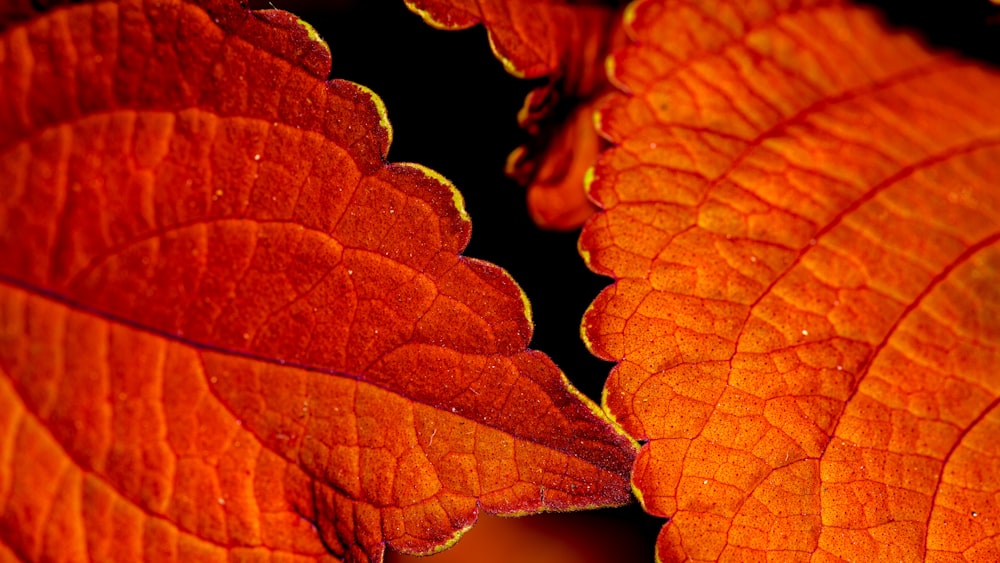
{"x": 212, "y": 350}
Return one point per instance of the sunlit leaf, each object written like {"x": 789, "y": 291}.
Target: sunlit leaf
{"x": 802, "y": 216}
{"x": 566, "y": 42}
{"x": 229, "y": 330}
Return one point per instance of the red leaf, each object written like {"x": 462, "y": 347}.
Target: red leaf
{"x": 801, "y": 214}
{"x": 565, "y": 41}
{"x": 226, "y": 323}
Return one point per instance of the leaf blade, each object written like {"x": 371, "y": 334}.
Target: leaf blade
{"x": 231, "y": 324}
{"x": 784, "y": 193}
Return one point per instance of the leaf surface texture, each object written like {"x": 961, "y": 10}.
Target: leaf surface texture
{"x": 229, "y": 329}
{"x": 802, "y": 218}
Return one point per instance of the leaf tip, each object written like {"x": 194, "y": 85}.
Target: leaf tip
{"x": 609, "y": 415}
{"x": 588, "y": 179}
{"x": 509, "y": 65}
{"x": 527, "y": 306}
{"x": 383, "y": 121}
{"x": 313, "y": 35}
{"x": 456, "y": 196}
{"x": 429, "y": 19}
{"x": 637, "y": 493}
{"x": 583, "y": 321}
{"x": 587, "y": 257}
{"x": 630, "y": 14}
{"x": 514, "y": 160}
{"x": 445, "y": 544}
{"x": 611, "y": 71}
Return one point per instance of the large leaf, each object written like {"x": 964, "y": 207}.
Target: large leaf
{"x": 227, "y": 324}
{"x": 566, "y": 42}
{"x": 802, "y": 215}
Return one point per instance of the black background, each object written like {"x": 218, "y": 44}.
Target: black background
{"x": 453, "y": 108}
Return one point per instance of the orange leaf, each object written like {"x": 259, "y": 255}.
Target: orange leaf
{"x": 566, "y": 42}
{"x": 802, "y": 216}
{"x": 227, "y": 324}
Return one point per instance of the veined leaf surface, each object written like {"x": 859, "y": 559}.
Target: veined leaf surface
{"x": 229, "y": 329}
{"x": 802, "y": 216}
